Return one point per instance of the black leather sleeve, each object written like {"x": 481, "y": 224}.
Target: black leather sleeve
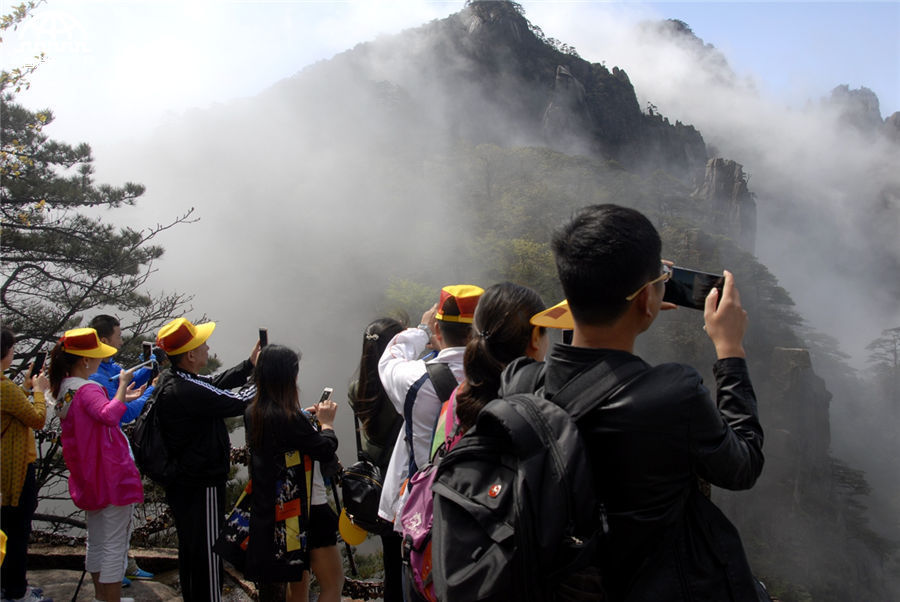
{"x": 727, "y": 436}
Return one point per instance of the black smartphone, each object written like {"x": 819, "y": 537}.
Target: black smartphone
{"x": 263, "y": 337}
{"x": 39, "y": 360}
{"x": 147, "y": 354}
{"x": 689, "y": 288}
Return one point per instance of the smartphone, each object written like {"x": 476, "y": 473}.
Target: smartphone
{"x": 147, "y": 353}
{"x": 326, "y": 394}
{"x": 39, "y": 360}
{"x": 689, "y": 288}
{"x": 263, "y": 337}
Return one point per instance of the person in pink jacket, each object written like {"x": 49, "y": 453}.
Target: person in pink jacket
{"x": 103, "y": 479}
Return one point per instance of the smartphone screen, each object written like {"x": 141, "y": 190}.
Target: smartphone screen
{"x": 147, "y": 351}
{"x": 263, "y": 337}
{"x": 326, "y": 394}
{"x": 39, "y": 360}
{"x": 689, "y": 288}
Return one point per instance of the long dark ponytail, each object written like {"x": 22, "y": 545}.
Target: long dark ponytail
{"x": 61, "y": 363}
{"x": 502, "y": 331}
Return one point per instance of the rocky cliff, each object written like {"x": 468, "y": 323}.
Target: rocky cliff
{"x": 730, "y": 203}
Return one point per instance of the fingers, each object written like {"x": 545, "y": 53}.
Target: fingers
{"x": 729, "y": 290}
{"x": 326, "y": 411}
{"x": 709, "y": 307}
{"x": 725, "y": 319}
{"x": 428, "y": 316}
{"x": 666, "y": 305}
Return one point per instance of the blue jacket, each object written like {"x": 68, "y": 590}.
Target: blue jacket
{"x": 110, "y": 370}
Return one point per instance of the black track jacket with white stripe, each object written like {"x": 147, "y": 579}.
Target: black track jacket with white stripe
{"x": 192, "y": 412}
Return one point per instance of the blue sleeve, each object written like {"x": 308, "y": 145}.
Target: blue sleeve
{"x": 142, "y": 377}
{"x": 134, "y": 408}
{"x": 101, "y": 376}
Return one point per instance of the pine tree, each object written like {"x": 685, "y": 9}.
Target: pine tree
{"x": 59, "y": 259}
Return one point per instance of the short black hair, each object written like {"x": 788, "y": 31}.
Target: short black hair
{"x": 603, "y": 254}
{"x": 7, "y": 340}
{"x": 105, "y": 325}
{"x": 455, "y": 334}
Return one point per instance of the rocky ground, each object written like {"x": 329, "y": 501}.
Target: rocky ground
{"x": 58, "y": 569}
{"x": 61, "y": 584}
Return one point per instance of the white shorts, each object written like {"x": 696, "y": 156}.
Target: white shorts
{"x": 108, "y": 535}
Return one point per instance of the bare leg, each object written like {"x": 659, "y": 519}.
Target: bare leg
{"x": 98, "y": 588}
{"x": 112, "y": 592}
{"x": 298, "y": 591}
{"x": 326, "y": 564}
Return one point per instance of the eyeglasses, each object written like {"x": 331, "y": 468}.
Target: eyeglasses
{"x": 666, "y": 274}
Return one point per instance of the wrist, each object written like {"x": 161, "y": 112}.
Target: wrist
{"x": 725, "y": 351}
{"x": 426, "y": 329}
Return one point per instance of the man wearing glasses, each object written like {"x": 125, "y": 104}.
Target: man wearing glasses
{"x": 655, "y": 430}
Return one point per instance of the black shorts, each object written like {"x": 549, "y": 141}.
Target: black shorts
{"x": 323, "y": 526}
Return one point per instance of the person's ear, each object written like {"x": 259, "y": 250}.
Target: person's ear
{"x": 535, "y": 343}
{"x": 643, "y": 302}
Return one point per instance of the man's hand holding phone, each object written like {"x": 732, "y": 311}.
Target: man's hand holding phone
{"x": 727, "y": 323}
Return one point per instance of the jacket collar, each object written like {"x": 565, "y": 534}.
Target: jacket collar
{"x": 565, "y": 362}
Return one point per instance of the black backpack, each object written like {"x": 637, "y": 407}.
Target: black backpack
{"x": 147, "y": 445}
{"x": 515, "y": 512}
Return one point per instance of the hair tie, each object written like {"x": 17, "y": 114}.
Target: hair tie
{"x": 371, "y": 337}
{"x": 485, "y": 334}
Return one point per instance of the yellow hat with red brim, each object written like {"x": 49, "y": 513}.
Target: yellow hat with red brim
{"x": 352, "y": 534}
{"x": 180, "y": 336}
{"x": 85, "y": 343}
{"x": 558, "y": 316}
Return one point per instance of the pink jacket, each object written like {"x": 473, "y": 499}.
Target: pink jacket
{"x": 97, "y": 454}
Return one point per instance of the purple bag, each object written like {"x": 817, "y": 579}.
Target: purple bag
{"x": 415, "y": 522}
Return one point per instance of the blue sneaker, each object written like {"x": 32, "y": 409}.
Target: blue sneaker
{"x": 140, "y": 573}
{"x": 126, "y": 582}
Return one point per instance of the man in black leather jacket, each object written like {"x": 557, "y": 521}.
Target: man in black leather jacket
{"x": 660, "y": 431}
{"x": 192, "y": 412}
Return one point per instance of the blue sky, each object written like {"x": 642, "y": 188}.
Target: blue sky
{"x": 130, "y": 64}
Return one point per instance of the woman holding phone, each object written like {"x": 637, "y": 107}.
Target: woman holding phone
{"x": 292, "y": 528}
{"x": 103, "y": 479}
{"x": 21, "y": 413}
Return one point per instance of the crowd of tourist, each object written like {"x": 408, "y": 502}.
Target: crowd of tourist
{"x": 417, "y": 393}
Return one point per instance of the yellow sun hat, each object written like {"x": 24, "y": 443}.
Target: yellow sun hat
{"x": 352, "y": 534}
{"x": 85, "y": 343}
{"x": 558, "y": 316}
{"x": 180, "y": 336}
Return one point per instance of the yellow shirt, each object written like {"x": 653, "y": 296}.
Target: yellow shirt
{"x": 19, "y": 414}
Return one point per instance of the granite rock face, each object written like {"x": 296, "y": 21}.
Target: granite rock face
{"x": 731, "y": 204}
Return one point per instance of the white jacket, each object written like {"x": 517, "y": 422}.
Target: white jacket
{"x": 399, "y": 369}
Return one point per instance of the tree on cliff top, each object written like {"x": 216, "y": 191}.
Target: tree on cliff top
{"x": 59, "y": 259}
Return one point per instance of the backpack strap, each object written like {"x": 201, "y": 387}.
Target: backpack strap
{"x": 443, "y": 380}
{"x": 359, "y": 450}
{"x": 444, "y": 383}
{"x": 596, "y": 384}
{"x": 407, "y": 420}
